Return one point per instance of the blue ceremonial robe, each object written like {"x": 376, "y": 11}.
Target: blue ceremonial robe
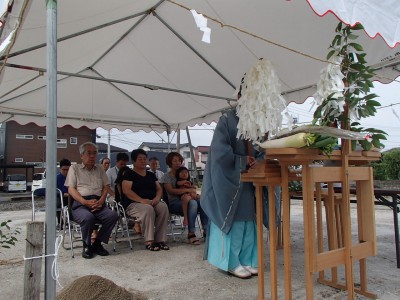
{"x": 228, "y": 202}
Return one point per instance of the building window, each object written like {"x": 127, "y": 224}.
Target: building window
{"x": 41, "y": 137}
{"x": 73, "y": 140}
{"x": 24, "y": 136}
{"x": 18, "y": 160}
{"x": 61, "y": 143}
{"x": 36, "y": 165}
{"x": 186, "y": 154}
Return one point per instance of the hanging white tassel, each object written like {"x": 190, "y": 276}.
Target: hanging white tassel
{"x": 261, "y": 105}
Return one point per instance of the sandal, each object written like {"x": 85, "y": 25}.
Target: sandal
{"x": 163, "y": 246}
{"x": 153, "y": 247}
{"x": 193, "y": 239}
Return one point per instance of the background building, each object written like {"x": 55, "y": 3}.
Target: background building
{"x": 160, "y": 150}
{"x": 26, "y": 145}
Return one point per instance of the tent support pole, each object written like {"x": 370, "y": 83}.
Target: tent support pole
{"x": 134, "y": 100}
{"x": 168, "y": 138}
{"x": 196, "y": 172}
{"x": 119, "y": 40}
{"x": 21, "y": 85}
{"x": 51, "y": 151}
{"x": 195, "y": 51}
{"x": 109, "y": 144}
{"x": 144, "y": 85}
{"x": 178, "y": 139}
{"x": 79, "y": 33}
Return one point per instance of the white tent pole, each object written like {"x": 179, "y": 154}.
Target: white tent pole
{"x": 195, "y": 51}
{"x": 178, "y": 139}
{"x": 21, "y": 85}
{"x": 130, "y": 97}
{"x": 76, "y": 34}
{"x": 144, "y": 85}
{"x": 109, "y": 145}
{"x": 51, "y": 150}
{"x": 192, "y": 156}
{"x": 168, "y": 139}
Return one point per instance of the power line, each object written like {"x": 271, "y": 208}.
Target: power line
{"x": 388, "y": 105}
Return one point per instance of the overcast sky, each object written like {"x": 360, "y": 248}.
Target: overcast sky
{"x": 387, "y": 119}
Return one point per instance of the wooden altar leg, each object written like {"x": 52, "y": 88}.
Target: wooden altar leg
{"x": 272, "y": 243}
{"x": 260, "y": 242}
{"x": 309, "y": 226}
{"x": 332, "y": 226}
{"x": 320, "y": 235}
{"x": 286, "y": 232}
{"x": 347, "y": 239}
{"x": 365, "y": 217}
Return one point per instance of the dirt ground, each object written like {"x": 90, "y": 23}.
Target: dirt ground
{"x": 182, "y": 274}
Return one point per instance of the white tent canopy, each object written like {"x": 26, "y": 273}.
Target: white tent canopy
{"x": 141, "y": 65}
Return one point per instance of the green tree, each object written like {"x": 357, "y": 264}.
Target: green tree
{"x": 379, "y": 170}
{"x": 391, "y": 162}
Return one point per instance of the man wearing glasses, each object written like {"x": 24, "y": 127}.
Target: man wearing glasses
{"x": 87, "y": 185}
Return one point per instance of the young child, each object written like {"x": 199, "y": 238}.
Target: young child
{"x": 183, "y": 181}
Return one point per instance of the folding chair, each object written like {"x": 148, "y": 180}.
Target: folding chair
{"x": 123, "y": 223}
{"x": 73, "y": 228}
{"x": 175, "y": 221}
{"x": 41, "y": 192}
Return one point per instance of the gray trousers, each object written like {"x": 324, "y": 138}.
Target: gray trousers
{"x": 87, "y": 220}
{"x": 154, "y": 220}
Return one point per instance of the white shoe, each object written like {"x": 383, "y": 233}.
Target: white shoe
{"x": 240, "y": 272}
{"x": 253, "y": 271}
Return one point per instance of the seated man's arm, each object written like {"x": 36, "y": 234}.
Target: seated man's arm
{"x": 111, "y": 182}
{"x": 73, "y": 192}
{"x": 99, "y": 204}
{"x": 110, "y": 191}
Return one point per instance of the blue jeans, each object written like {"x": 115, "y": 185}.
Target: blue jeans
{"x": 175, "y": 207}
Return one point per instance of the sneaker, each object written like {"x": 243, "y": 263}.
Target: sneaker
{"x": 240, "y": 272}
{"x": 99, "y": 249}
{"x": 253, "y": 271}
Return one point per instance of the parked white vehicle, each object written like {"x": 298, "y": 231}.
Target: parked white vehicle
{"x": 39, "y": 181}
{"x": 15, "y": 183}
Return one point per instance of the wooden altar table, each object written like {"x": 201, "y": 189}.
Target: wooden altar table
{"x": 355, "y": 168}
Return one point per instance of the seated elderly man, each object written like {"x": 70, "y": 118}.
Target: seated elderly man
{"x": 87, "y": 185}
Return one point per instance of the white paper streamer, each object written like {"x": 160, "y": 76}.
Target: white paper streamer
{"x": 201, "y": 23}
{"x": 261, "y": 105}
{"x": 331, "y": 81}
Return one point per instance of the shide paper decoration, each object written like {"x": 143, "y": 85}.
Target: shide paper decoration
{"x": 201, "y": 23}
{"x": 331, "y": 82}
{"x": 261, "y": 105}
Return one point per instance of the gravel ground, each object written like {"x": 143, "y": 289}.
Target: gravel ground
{"x": 182, "y": 274}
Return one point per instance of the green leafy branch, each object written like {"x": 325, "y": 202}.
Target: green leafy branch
{"x": 358, "y": 101}
{"x": 8, "y": 239}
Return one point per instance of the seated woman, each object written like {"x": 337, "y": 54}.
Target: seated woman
{"x": 141, "y": 195}
{"x": 174, "y": 161}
